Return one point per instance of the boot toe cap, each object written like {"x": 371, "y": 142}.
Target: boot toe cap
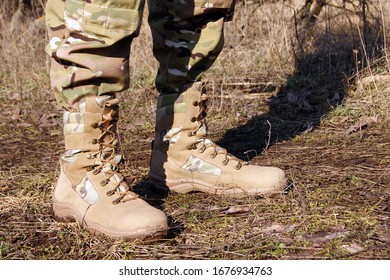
{"x": 265, "y": 180}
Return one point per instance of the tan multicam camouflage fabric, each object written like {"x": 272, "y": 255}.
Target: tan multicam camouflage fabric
{"x": 195, "y": 164}
{"x": 89, "y": 43}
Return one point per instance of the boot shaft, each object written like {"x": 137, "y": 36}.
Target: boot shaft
{"x": 83, "y": 127}
{"x": 91, "y": 140}
{"x": 178, "y": 116}
{"x": 184, "y": 160}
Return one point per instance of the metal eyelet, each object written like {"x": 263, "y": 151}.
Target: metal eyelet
{"x": 116, "y": 201}
{"x": 94, "y": 141}
{"x": 238, "y": 166}
{"x": 202, "y": 149}
{"x": 94, "y": 125}
{"x": 111, "y": 192}
{"x": 225, "y": 162}
{"x": 193, "y": 119}
{"x": 191, "y": 147}
{"x": 213, "y": 155}
{"x": 195, "y": 103}
{"x": 103, "y": 183}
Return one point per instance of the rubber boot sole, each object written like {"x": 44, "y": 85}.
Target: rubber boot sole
{"x": 184, "y": 186}
{"x": 63, "y": 212}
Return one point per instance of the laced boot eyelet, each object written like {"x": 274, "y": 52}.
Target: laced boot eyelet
{"x": 89, "y": 168}
{"x": 89, "y": 156}
{"x": 190, "y": 134}
{"x": 225, "y": 162}
{"x": 96, "y": 171}
{"x": 213, "y": 155}
{"x": 103, "y": 183}
{"x": 202, "y": 149}
{"x": 94, "y": 141}
{"x": 193, "y": 119}
{"x": 238, "y": 166}
{"x": 192, "y": 147}
{"x": 116, "y": 201}
{"x": 111, "y": 192}
{"x": 195, "y": 103}
{"x": 94, "y": 125}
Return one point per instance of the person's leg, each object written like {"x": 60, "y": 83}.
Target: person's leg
{"x": 89, "y": 44}
{"x": 187, "y": 38}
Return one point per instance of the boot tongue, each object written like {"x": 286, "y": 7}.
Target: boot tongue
{"x": 202, "y": 131}
{"x": 112, "y": 166}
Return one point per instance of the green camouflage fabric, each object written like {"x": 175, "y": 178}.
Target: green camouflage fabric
{"x": 195, "y": 164}
{"x": 171, "y": 136}
{"x": 86, "y": 191}
{"x": 89, "y": 43}
{"x": 73, "y": 123}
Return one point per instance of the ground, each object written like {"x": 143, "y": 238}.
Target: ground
{"x": 329, "y": 131}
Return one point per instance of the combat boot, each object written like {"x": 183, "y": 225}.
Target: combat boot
{"x": 184, "y": 160}
{"x": 90, "y": 188}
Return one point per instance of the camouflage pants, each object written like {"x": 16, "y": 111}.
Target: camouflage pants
{"x": 90, "y": 43}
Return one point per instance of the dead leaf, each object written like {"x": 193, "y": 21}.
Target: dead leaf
{"x": 385, "y": 238}
{"x": 139, "y": 122}
{"x": 361, "y": 124}
{"x": 234, "y": 210}
{"x": 277, "y": 228}
{"x": 308, "y": 126}
{"x": 183, "y": 210}
{"x": 16, "y": 113}
{"x": 335, "y": 100}
{"x": 15, "y": 96}
{"x": 273, "y": 228}
{"x": 24, "y": 125}
{"x": 300, "y": 99}
{"x": 47, "y": 120}
{"x": 353, "y": 248}
{"x": 323, "y": 237}
{"x": 4, "y": 189}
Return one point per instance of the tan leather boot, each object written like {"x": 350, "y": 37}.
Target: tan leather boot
{"x": 90, "y": 188}
{"x": 184, "y": 160}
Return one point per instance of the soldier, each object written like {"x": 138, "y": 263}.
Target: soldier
{"x": 89, "y": 47}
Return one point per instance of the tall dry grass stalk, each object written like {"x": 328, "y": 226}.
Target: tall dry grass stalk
{"x": 24, "y": 79}
{"x": 262, "y": 46}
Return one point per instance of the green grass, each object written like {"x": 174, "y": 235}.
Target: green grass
{"x": 341, "y": 195}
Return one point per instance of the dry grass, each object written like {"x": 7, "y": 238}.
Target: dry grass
{"x": 320, "y": 111}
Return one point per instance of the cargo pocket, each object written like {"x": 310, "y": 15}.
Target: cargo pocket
{"x": 120, "y": 18}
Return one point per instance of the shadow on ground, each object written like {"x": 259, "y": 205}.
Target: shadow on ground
{"x": 318, "y": 85}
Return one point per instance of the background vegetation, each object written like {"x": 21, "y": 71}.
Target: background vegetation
{"x": 302, "y": 85}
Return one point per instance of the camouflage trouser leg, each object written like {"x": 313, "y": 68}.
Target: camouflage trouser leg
{"x": 89, "y": 46}
{"x": 90, "y": 39}
{"x": 187, "y": 38}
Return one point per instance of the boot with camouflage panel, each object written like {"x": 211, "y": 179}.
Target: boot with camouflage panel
{"x": 184, "y": 160}
{"x": 90, "y": 188}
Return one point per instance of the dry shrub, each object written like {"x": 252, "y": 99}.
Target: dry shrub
{"x": 262, "y": 43}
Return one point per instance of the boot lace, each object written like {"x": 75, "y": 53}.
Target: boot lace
{"x": 107, "y": 158}
{"x": 201, "y": 133}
